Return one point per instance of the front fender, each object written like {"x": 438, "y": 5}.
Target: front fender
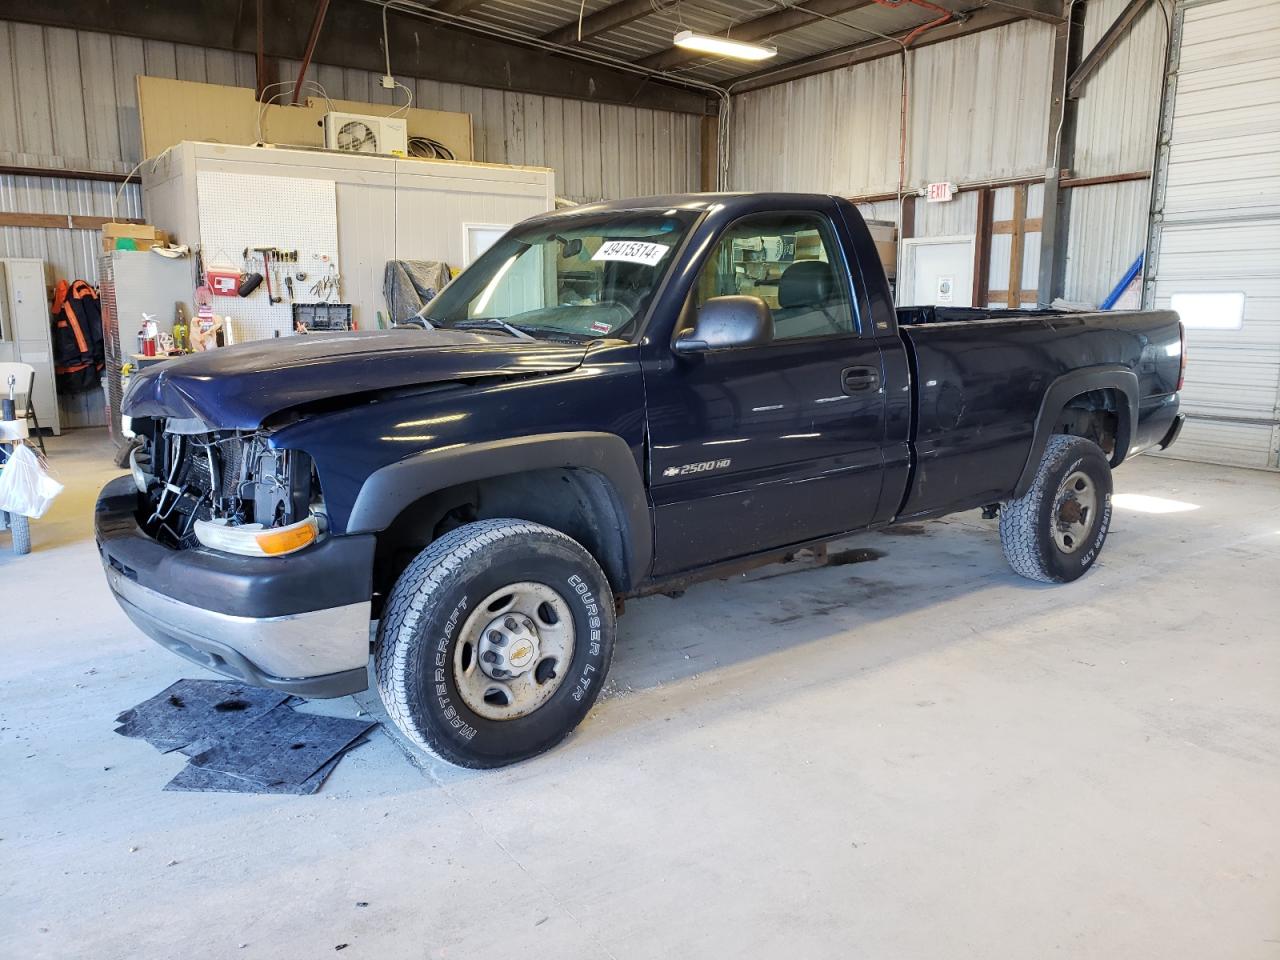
{"x": 391, "y": 489}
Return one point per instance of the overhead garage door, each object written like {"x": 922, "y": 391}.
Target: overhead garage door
{"x": 1217, "y": 226}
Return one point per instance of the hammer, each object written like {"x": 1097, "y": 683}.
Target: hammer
{"x": 266, "y": 270}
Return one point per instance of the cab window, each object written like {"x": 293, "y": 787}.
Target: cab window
{"x": 791, "y": 262}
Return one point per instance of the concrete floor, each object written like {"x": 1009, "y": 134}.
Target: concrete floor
{"x": 919, "y": 755}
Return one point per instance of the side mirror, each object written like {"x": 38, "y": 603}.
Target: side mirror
{"x": 725, "y": 323}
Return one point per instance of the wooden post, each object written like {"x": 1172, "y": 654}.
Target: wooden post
{"x": 908, "y": 217}
{"x": 1016, "y": 243}
{"x": 982, "y": 248}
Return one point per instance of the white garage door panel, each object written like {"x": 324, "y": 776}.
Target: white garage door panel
{"x": 1219, "y": 225}
{"x": 1243, "y": 251}
{"x": 1231, "y": 383}
{"x": 1228, "y": 32}
{"x": 1235, "y": 444}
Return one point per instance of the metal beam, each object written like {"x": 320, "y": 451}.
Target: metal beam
{"x": 322, "y": 7}
{"x": 761, "y": 28}
{"x": 260, "y": 52}
{"x": 1106, "y": 43}
{"x": 1060, "y": 151}
{"x": 1046, "y": 11}
{"x": 419, "y": 47}
{"x": 610, "y": 18}
{"x": 980, "y": 20}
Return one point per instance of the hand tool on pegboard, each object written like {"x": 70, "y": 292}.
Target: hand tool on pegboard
{"x": 267, "y": 253}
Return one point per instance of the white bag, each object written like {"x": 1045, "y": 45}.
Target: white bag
{"x": 25, "y": 488}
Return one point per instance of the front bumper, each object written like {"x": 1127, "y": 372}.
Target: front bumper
{"x": 298, "y": 624}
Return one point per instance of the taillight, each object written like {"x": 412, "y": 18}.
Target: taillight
{"x": 1182, "y": 352}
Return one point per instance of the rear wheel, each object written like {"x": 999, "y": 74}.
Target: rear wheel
{"x": 495, "y": 642}
{"x": 1055, "y": 532}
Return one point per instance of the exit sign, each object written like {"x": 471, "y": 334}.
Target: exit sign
{"x": 939, "y": 192}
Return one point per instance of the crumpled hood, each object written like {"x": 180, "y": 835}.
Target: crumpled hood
{"x": 238, "y": 387}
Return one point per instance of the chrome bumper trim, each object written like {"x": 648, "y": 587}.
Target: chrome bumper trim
{"x": 300, "y": 645}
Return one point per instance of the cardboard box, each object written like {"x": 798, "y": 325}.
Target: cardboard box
{"x": 885, "y": 235}
{"x": 144, "y": 235}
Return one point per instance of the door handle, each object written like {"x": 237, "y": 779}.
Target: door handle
{"x": 859, "y": 378}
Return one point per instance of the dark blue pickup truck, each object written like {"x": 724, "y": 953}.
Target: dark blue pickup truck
{"x": 615, "y": 400}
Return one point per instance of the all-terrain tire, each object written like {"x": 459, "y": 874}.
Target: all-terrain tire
{"x": 424, "y": 618}
{"x": 20, "y": 528}
{"x": 1027, "y": 524}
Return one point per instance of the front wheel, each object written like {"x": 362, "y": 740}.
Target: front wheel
{"x": 1055, "y": 532}
{"x": 495, "y": 642}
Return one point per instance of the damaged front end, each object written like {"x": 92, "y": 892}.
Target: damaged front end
{"x": 227, "y": 490}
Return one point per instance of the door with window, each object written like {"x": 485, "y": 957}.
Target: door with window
{"x": 765, "y": 446}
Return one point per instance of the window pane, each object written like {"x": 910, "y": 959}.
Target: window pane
{"x": 789, "y": 261}
{"x": 1209, "y": 311}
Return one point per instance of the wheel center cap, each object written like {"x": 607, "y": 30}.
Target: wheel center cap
{"x": 508, "y": 646}
{"x": 521, "y": 654}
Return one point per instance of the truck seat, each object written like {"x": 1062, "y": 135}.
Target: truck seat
{"x": 807, "y": 305}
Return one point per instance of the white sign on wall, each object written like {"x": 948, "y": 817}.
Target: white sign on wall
{"x": 939, "y": 192}
{"x": 946, "y": 290}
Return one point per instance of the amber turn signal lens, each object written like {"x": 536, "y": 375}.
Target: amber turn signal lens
{"x": 286, "y": 539}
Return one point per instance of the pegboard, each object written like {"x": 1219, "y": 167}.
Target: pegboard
{"x": 239, "y": 211}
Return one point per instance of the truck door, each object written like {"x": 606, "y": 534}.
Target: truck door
{"x": 770, "y": 445}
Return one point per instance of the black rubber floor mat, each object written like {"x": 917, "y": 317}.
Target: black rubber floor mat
{"x": 241, "y": 739}
{"x": 191, "y": 711}
{"x": 284, "y": 746}
{"x": 193, "y": 779}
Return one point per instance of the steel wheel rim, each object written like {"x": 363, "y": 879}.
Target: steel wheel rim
{"x": 1074, "y": 511}
{"x": 514, "y": 651}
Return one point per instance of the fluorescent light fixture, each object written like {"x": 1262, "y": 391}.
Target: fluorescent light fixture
{"x": 1209, "y": 311}
{"x": 723, "y": 46}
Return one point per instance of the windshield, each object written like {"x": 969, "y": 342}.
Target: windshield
{"x": 578, "y": 278}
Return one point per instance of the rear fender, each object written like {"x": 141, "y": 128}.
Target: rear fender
{"x": 1065, "y": 389}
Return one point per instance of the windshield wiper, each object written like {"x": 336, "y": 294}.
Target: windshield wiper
{"x": 494, "y": 323}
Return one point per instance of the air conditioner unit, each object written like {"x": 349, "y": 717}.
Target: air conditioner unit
{"x": 357, "y": 133}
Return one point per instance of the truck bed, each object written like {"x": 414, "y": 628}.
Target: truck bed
{"x": 980, "y": 378}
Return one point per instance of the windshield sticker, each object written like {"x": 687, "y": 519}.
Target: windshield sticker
{"x": 599, "y": 326}
{"x": 632, "y": 251}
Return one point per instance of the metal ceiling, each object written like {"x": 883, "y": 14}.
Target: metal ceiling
{"x": 804, "y": 29}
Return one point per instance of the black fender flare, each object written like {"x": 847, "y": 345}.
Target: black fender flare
{"x": 1061, "y": 392}
{"x": 390, "y": 489}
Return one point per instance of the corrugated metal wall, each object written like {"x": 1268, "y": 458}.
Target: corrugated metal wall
{"x": 1120, "y": 106}
{"x": 836, "y": 132}
{"x": 68, "y": 99}
{"x": 977, "y": 111}
{"x": 978, "y": 105}
{"x": 1116, "y": 124}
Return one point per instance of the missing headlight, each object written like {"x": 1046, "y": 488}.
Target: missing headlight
{"x": 231, "y": 478}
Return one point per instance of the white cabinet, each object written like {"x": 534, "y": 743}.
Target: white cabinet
{"x": 24, "y": 331}
{"x": 385, "y": 209}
